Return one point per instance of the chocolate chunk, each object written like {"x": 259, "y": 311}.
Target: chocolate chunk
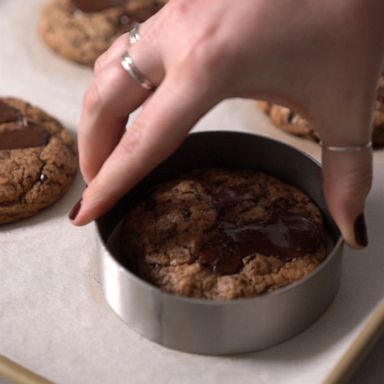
{"x": 25, "y": 136}
{"x": 284, "y": 235}
{"x": 8, "y": 114}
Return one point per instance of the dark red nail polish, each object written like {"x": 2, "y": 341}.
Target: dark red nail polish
{"x": 75, "y": 210}
{"x": 361, "y": 231}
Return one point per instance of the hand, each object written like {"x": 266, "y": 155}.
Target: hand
{"x": 321, "y": 58}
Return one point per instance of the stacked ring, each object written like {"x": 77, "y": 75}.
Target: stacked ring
{"x": 128, "y": 64}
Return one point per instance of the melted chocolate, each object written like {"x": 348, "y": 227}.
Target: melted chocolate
{"x": 28, "y": 135}
{"x": 8, "y": 114}
{"x": 229, "y": 197}
{"x": 284, "y": 234}
{"x": 88, "y": 6}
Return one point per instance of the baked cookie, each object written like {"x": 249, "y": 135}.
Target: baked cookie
{"x": 221, "y": 233}
{"x": 38, "y": 160}
{"x": 291, "y": 122}
{"x": 82, "y": 36}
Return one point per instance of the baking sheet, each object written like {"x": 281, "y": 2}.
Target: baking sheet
{"x": 53, "y": 317}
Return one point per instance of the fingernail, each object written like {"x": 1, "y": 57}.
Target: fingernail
{"x": 361, "y": 231}
{"x": 75, "y": 210}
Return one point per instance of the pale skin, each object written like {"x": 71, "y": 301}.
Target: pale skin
{"x": 322, "y": 58}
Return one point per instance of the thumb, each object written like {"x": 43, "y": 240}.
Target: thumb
{"x": 347, "y": 179}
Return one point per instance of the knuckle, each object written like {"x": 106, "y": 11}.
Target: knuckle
{"x": 206, "y": 57}
{"x": 202, "y": 53}
{"x": 357, "y": 183}
{"x": 99, "y": 63}
{"x": 104, "y": 59}
{"x": 86, "y": 168}
{"x": 131, "y": 139}
{"x": 180, "y": 8}
{"x": 92, "y": 99}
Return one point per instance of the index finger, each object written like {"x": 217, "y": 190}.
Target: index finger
{"x": 160, "y": 128}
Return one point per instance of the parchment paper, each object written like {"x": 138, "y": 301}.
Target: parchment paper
{"x": 53, "y": 317}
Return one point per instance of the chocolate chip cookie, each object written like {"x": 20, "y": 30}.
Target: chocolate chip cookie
{"x": 81, "y": 34}
{"x": 38, "y": 160}
{"x": 220, "y": 233}
{"x": 291, "y": 122}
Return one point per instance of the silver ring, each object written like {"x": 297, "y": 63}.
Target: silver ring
{"x": 356, "y": 148}
{"x": 128, "y": 64}
{"x": 133, "y": 34}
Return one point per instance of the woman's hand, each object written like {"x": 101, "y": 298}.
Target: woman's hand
{"x": 321, "y": 58}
